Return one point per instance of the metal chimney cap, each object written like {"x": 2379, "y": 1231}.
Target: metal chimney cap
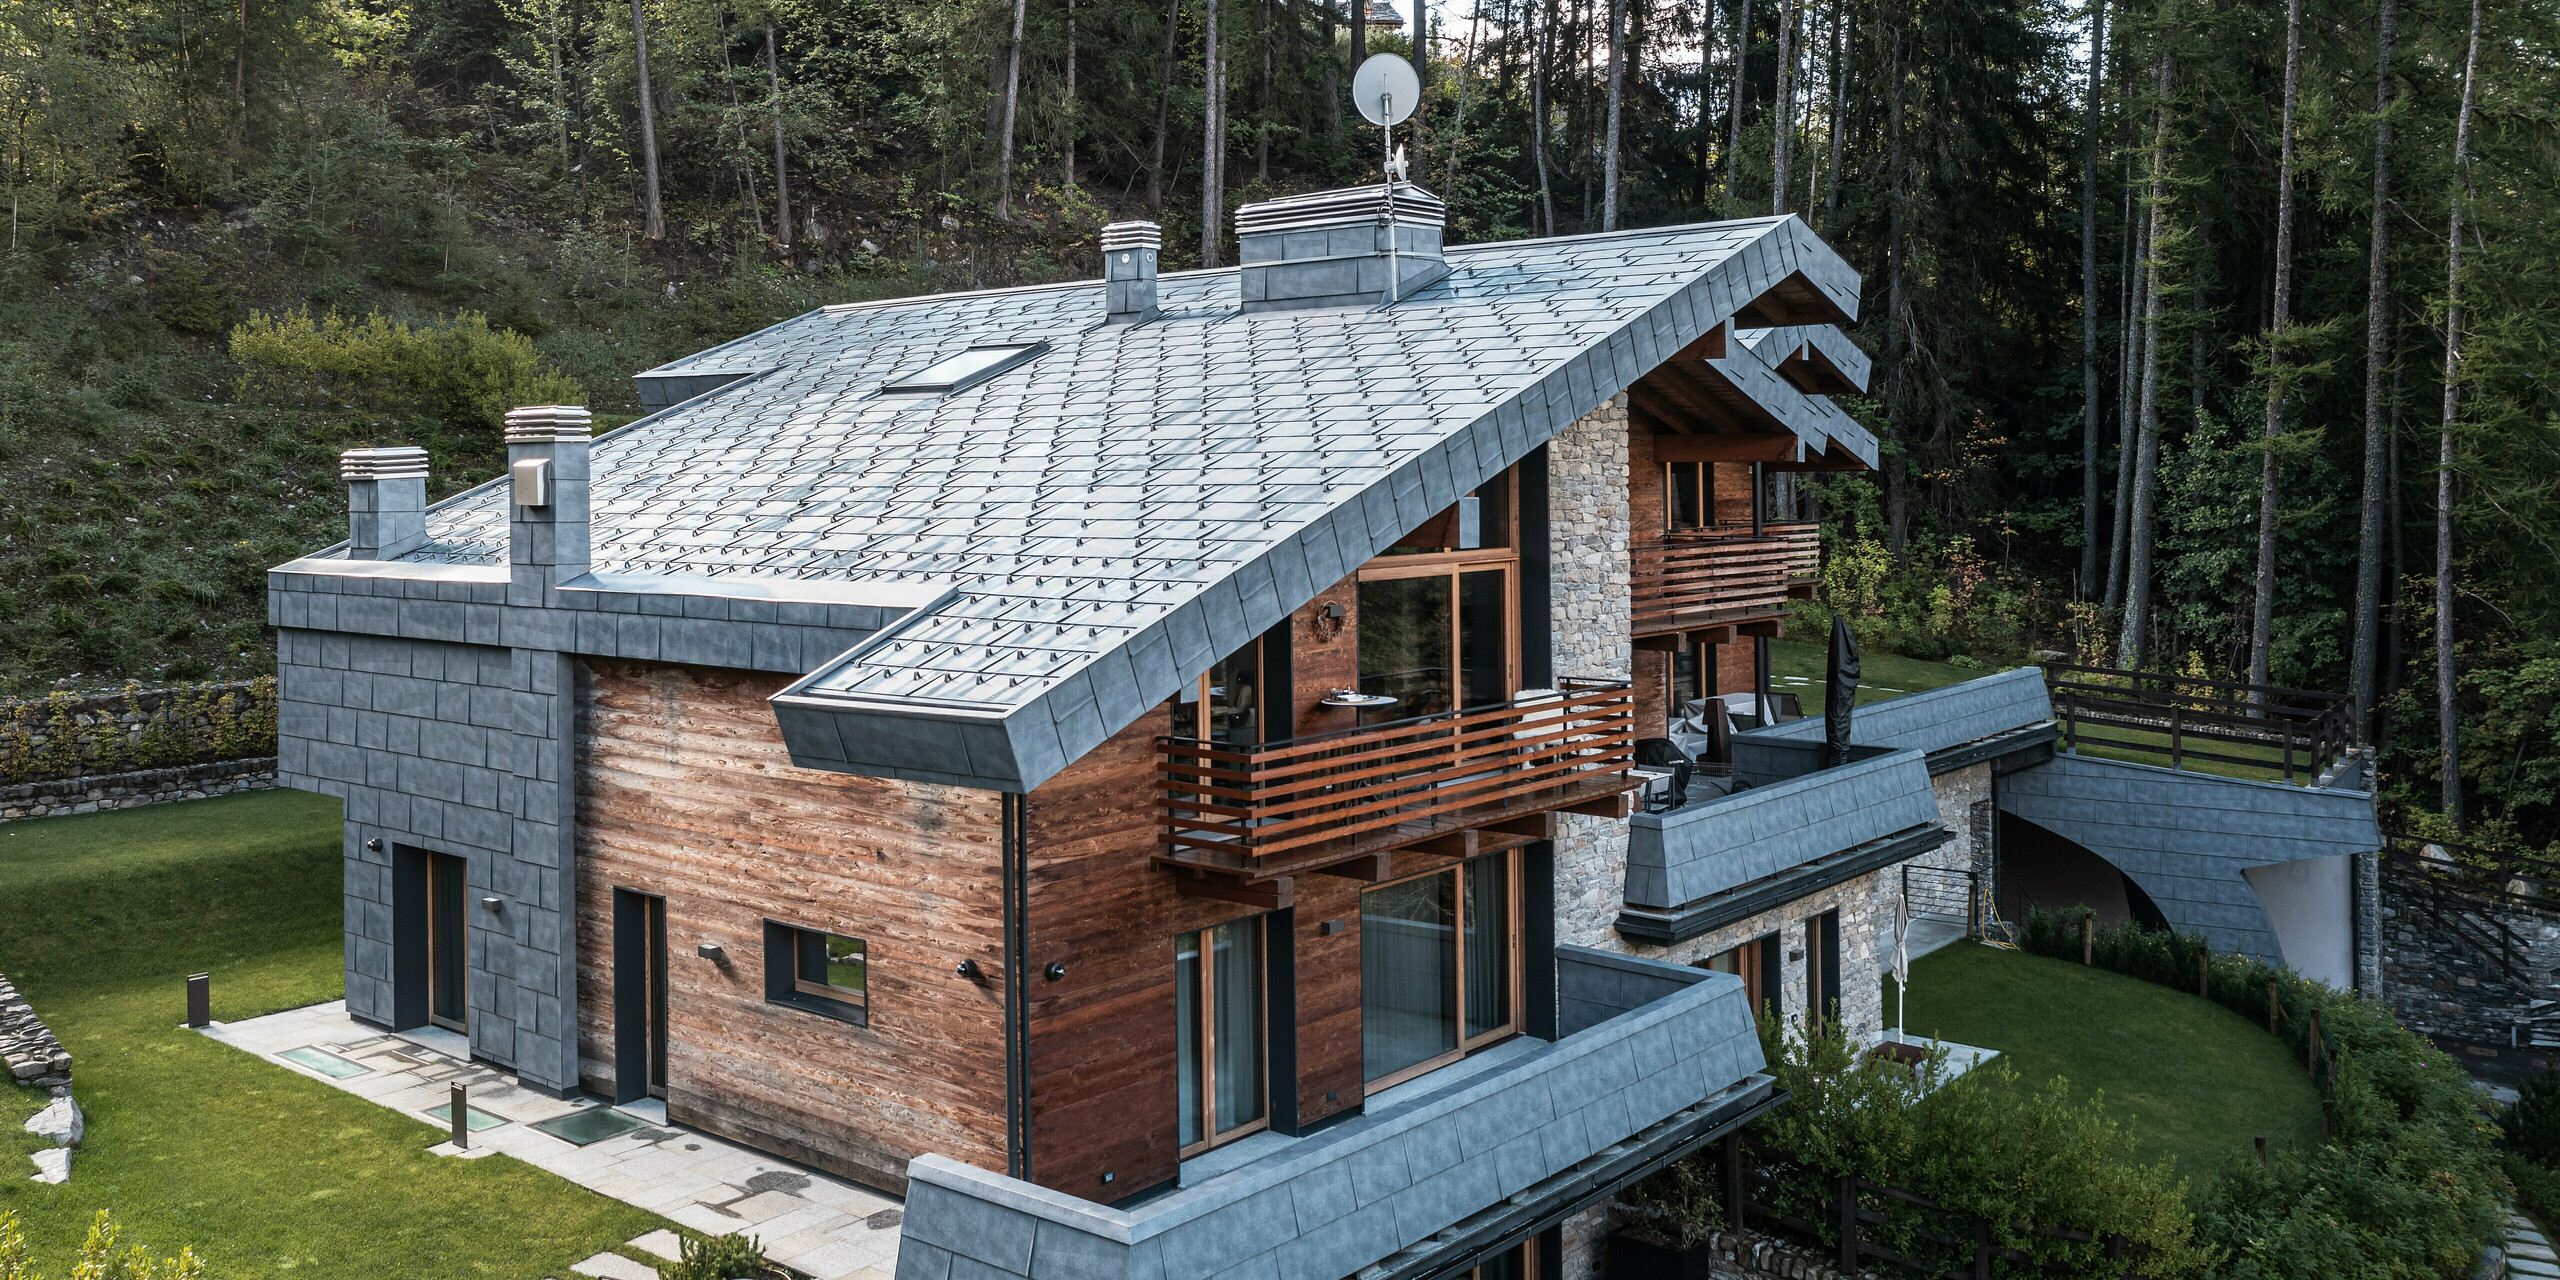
{"x": 398, "y": 463}
{"x": 1132, "y": 235}
{"x": 546, "y": 423}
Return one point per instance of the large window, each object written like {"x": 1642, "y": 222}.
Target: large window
{"x": 1436, "y": 635}
{"x": 1218, "y": 1036}
{"x": 1230, "y": 701}
{"x": 1439, "y": 967}
{"x": 1756, "y": 963}
{"x": 821, "y": 972}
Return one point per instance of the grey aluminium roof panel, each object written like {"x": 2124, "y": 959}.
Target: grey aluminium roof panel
{"x": 1135, "y": 484}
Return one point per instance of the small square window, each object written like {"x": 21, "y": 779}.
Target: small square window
{"x": 821, "y": 972}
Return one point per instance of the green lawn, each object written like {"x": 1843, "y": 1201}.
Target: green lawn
{"x": 267, "y": 1173}
{"x": 1882, "y": 676}
{"x": 2192, "y": 1079}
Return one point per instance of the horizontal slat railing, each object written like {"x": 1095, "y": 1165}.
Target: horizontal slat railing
{"x": 2192, "y": 720}
{"x": 1703, "y": 574}
{"x": 1268, "y": 801}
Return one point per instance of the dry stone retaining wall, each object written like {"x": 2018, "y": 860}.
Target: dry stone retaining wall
{"x": 34, "y": 1058}
{"x": 65, "y": 796}
{"x": 67, "y": 736}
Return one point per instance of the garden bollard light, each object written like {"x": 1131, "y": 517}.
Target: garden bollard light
{"x": 2088, "y": 938}
{"x": 199, "y": 999}
{"x": 461, "y": 1118}
{"x": 2262, "y": 1151}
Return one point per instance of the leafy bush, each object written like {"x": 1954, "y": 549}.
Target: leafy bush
{"x": 99, "y": 1257}
{"x": 2532, "y": 1126}
{"x": 459, "y": 369}
{"x": 736, "y": 1257}
{"x": 2405, "y": 1187}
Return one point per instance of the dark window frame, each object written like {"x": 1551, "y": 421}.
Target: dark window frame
{"x": 783, "y": 985}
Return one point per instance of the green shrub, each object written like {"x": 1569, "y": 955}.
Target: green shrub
{"x": 736, "y": 1257}
{"x": 2406, "y": 1185}
{"x": 2531, "y": 1127}
{"x": 459, "y": 369}
{"x": 99, "y": 1257}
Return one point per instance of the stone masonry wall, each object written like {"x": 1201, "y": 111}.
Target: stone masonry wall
{"x": 134, "y": 790}
{"x": 2441, "y": 988}
{"x": 1593, "y": 632}
{"x": 29, "y": 1052}
{"x": 77, "y": 736}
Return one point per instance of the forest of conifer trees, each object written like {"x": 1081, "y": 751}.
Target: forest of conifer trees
{"x": 2210, "y": 337}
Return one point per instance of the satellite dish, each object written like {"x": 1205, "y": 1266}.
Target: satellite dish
{"x": 1386, "y": 89}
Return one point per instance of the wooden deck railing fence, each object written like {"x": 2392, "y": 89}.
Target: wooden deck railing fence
{"x": 2192, "y": 719}
{"x": 1276, "y": 806}
{"x": 1697, "y": 576}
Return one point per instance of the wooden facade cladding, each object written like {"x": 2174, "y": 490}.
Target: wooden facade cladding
{"x": 685, "y": 791}
{"x": 1101, "y": 1046}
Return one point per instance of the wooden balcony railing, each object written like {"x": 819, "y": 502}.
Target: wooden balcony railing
{"x": 2211, "y": 726}
{"x": 1702, "y": 577}
{"x": 1278, "y": 808}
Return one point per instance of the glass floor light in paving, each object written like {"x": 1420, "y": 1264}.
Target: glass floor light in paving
{"x": 595, "y": 1124}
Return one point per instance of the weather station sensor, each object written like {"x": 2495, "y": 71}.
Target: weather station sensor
{"x": 1386, "y": 90}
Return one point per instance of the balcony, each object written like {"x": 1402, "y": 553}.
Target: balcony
{"x": 1654, "y": 1061}
{"x": 1723, "y": 582}
{"x": 1790, "y": 828}
{"x": 1458, "y": 783}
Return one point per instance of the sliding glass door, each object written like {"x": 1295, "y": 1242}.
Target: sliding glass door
{"x": 1439, "y": 967}
{"x": 1218, "y": 996}
{"x": 1436, "y": 636}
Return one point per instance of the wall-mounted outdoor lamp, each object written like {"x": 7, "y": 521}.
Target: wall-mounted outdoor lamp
{"x": 711, "y": 951}
{"x": 490, "y": 905}
{"x": 969, "y": 969}
{"x": 1055, "y": 972}
{"x": 374, "y": 845}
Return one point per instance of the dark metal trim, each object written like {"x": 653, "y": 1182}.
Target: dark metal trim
{"x": 1661, "y": 928}
{"x": 1017, "y": 968}
{"x": 1997, "y": 748}
{"x": 1472, "y": 1240}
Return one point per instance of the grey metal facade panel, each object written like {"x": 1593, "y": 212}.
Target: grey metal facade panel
{"x": 1693, "y": 853}
{"x": 1338, "y": 1201}
{"x": 1935, "y": 719}
{"x": 2186, "y": 837}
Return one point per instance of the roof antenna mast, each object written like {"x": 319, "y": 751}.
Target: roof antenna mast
{"x": 1386, "y": 90}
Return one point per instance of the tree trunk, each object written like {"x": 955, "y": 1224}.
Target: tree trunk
{"x": 1844, "y": 49}
{"x": 1783, "y": 116}
{"x": 781, "y": 170}
{"x": 1164, "y": 107}
{"x": 1071, "y": 97}
{"x": 1542, "y": 47}
{"x": 2263, "y": 608}
{"x": 1212, "y": 139}
{"x": 2128, "y": 388}
{"x": 1897, "y": 489}
{"x": 1741, "y": 83}
{"x": 2131, "y": 644}
{"x": 1012, "y": 100}
{"x": 656, "y": 228}
{"x": 1359, "y": 33}
{"x": 738, "y": 120}
{"x": 1262, "y": 127}
{"x": 2448, "y": 739}
{"x": 1609, "y": 160}
{"x": 1458, "y": 126}
{"x": 2361, "y": 664}
{"x": 2089, "y": 300}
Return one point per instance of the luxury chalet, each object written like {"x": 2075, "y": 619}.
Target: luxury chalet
{"x": 1264, "y": 768}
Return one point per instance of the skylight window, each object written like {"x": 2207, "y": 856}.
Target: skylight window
{"x": 965, "y": 370}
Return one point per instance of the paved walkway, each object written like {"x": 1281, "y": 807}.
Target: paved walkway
{"x": 2529, "y": 1256}
{"x": 811, "y": 1223}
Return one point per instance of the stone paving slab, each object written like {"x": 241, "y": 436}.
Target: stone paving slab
{"x": 814, "y": 1224}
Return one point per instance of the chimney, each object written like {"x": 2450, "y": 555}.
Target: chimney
{"x": 1338, "y": 248}
{"x": 1129, "y": 271}
{"x": 547, "y": 497}
{"x": 386, "y": 501}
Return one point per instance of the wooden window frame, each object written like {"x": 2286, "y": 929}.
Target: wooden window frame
{"x": 1201, "y": 729}
{"x": 1453, "y": 565}
{"x": 1514, "y": 1014}
{"x": 1206, "y": 984}
{"x": 1706, "y": 495}
{"x": 784, "y": 986}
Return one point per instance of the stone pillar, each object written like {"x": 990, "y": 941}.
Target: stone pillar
{"x": 547, "y": 529}
{"x": 1594, "y": 639}
{"x": 2368, "y": 924}
{"x": 386, "y": 501}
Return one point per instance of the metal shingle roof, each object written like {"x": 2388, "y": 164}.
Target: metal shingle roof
{"x": 1130, "y": 488}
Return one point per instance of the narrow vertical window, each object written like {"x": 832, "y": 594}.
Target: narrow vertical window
{"x": 1220, "y": 1077}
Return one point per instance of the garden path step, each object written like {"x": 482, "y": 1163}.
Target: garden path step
{"x": 613, "y": 1266}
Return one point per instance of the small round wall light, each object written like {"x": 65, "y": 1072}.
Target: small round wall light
{"x": 1056, "y": 971}
{"x": 969, "y": 969}
{"x": 374, "y": 845}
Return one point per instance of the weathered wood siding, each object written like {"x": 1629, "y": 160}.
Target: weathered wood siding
{"x": 1323, "y": 658}
{"x": 1328, "y": 997}
{"x": 1102, "y": 1038}
{"x": 685, "y": 791}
